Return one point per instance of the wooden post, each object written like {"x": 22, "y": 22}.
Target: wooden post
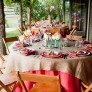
{"x": 88, "y": 20}
{"x": 21, "y": 19}
{"x": 2, "y": 26}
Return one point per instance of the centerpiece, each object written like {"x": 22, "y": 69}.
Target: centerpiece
{"x": 52, "y": 40}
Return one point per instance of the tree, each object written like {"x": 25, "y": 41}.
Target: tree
{"x": 54, "y": 8}
{"x": 40, "y": 9}
{"x": 34, "y": 9}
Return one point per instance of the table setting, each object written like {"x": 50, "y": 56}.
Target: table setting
{"x": 52, "y": 54}
{"x": 51, "y": 42}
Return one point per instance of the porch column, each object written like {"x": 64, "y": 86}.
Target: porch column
{"x": 2, "y": 26}
{"x": 89, "y": 22}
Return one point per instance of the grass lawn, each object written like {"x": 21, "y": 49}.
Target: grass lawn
{"x": 13, "y": 33}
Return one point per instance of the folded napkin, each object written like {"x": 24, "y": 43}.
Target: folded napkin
{"x": 36, "y": 40}
{"x": 17, "y": 46}
{"x": 72, "y": 54}
{"x": 28, "y": 52}
{"x": 80, "y": 53}
{"x": 88, "y": 47}
{"x": 85, "y": 42}
{"x": 52, "y": 54}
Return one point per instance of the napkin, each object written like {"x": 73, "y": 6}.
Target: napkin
{"x": 17, "y": 46}
{"x": 72, "y": 54}
{"x": 85, "y": 42}
{"x": 89, "y": 47}
{"x": 37, "y": 40}
{"x": 28, "y": 52}
{"x": 52, "y": 54}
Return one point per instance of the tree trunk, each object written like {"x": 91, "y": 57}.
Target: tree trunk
{"x": 29, "y": 15}
{"x": 2, "y": 26}
{"x": 59, "y": 9}
{"x": 63, "y": 10}
{"x": 29, "y": 12}
{"x": 49, "y": 15}
{"x": 21, "y": 19}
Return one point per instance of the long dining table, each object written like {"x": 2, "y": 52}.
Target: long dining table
{"x": 71, "y": 70}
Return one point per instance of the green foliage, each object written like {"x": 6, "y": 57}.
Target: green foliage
{"x": 12, "y": 33}
{"x": 8, "y": 2}
{"x": 40, "y": 9}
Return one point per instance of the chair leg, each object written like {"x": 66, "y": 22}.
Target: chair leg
{"x": 82, "y": 89}
{"x": 2, "y": 57}
{"x": 1, "y": 72}
{"x": 89, "y": 88}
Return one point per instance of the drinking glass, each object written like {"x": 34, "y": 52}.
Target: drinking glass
{"x": 78, "y": 44}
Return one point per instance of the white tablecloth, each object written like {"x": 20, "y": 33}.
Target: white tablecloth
{"x": 76, "y": 66}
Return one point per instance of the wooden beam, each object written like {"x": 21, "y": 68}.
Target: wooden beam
{"x": 2, "y": 26}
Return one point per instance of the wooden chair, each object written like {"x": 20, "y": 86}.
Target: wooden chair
{"x": 1, "y": 63}
{"x": 74, "y": 37}
{"x": 72, "y": 32}
{"x": 2, "y": 59}
{"x": 86, "y": 88}
{"x": 9, "y": 87}
{"x": 35, "y": 30}
{"x": 54, "y": 30}
{"x": 7, "y": 40}
{"x": 74, "y": 29}
{"x": 10, "y": 83}
{"x": 20, "y": 31}
{"x": 43, "y": 83}
{"x": 71, "y": 36}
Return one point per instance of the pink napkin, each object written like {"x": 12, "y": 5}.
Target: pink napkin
{"x": 72, "y": 54}
{"x": 89, "y": 47}
{"x": 52, "y": 55}
{"x": 37, "y": 40}
{"x": 18, "y": 44}
{"x": 28, "y": 52}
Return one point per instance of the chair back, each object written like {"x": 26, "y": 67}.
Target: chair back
{"x": 54, "y": 30}
{"x": 72, "y": 32}
{"x": 1, "y": 62}
{"x": 9, "y": 82}
{"x": 1, "y": 58}
{"x": 71, "y": 36}
{"x": 86, "y": 88}
{"x": 20, "y": 31}
{"x": 6, "y": 40}
{"x": 2, "y": 86}
{"x": 35, "y": 30}
{"x": 74, "y": 37}
{"x": 43, "y": 83}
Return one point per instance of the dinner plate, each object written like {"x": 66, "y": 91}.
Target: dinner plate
{"x": 83, "y": 53}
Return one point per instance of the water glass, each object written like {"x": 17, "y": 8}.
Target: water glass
{"x": 64, "y": 43}
{"x": 60, "y": 45}
{"x": 31, "y": 39}
{"x": 78, "y": 44}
